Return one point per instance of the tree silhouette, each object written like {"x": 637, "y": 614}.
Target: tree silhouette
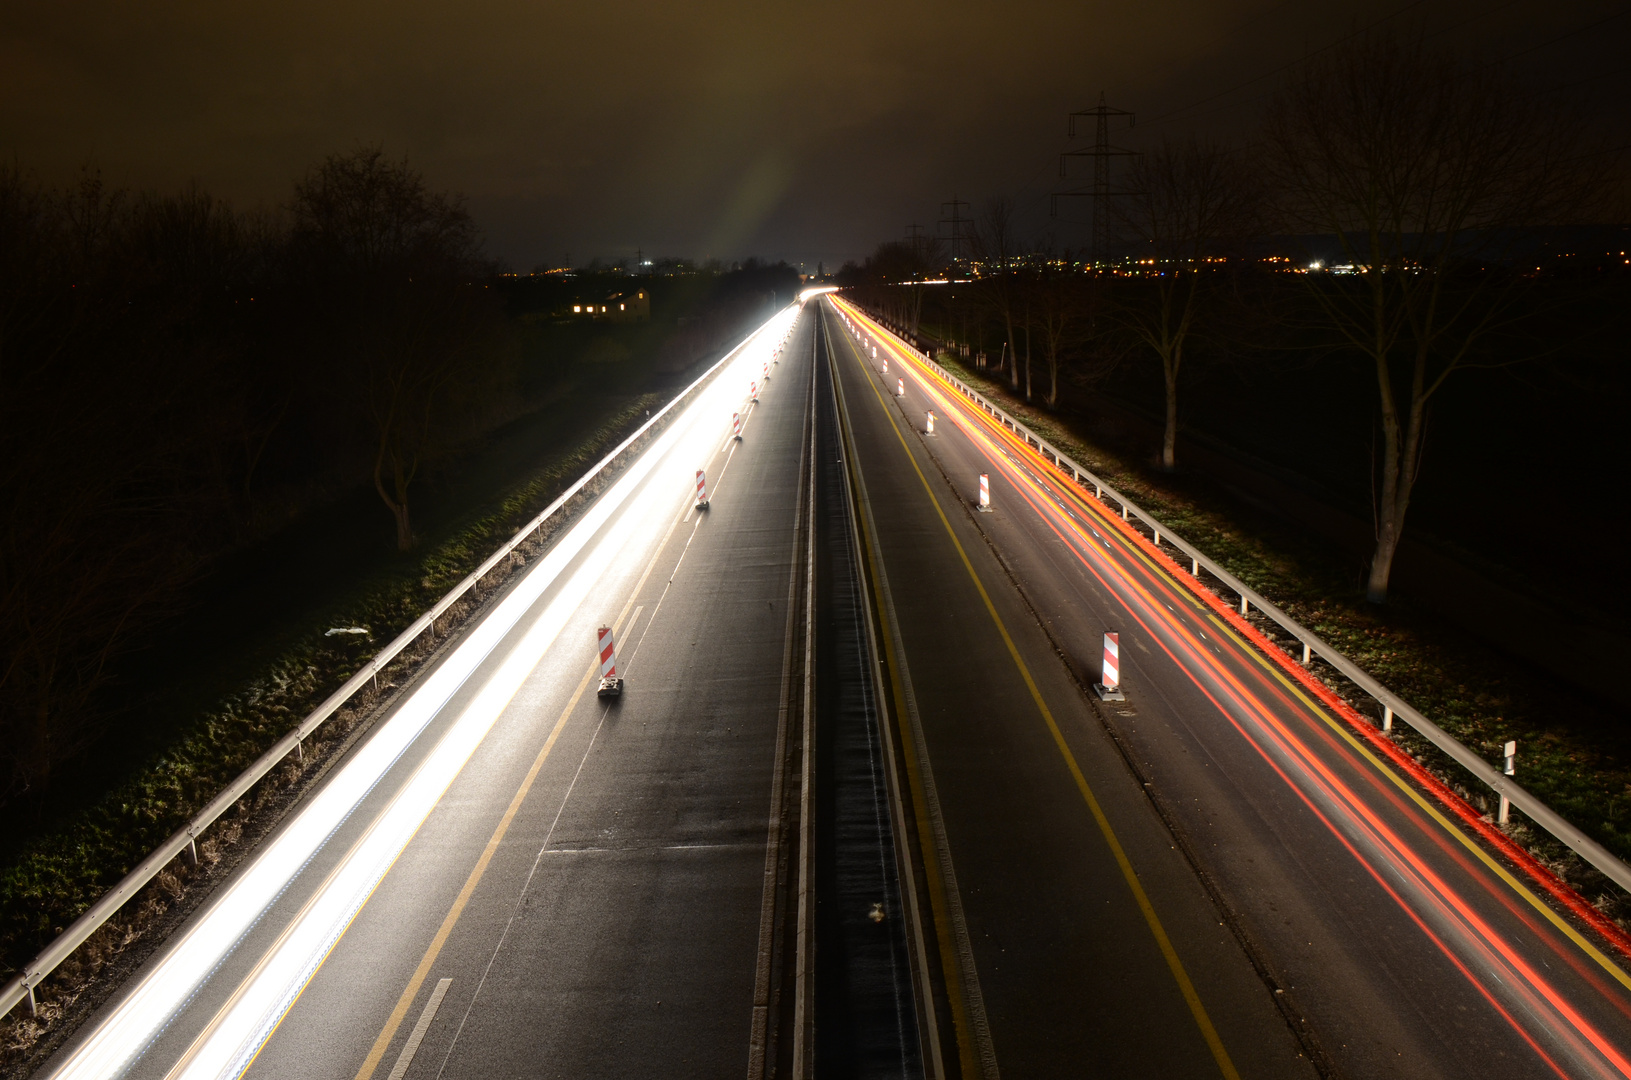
{"x": 391, "y": 262}
{"x": 1423, "y": 166}
{"x": 1189, "y": 202}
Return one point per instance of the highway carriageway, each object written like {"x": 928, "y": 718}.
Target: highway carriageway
{"x": 511, "y": 876}
{"x": 855, "y": 813}
{"x": 1389, "y": 939}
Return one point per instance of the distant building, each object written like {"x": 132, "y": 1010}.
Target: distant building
{"x": 631, "y": 306}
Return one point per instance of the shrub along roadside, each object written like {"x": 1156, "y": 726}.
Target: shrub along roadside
{"x": 53, "y": 879}
{"x": 1572, "y": 753}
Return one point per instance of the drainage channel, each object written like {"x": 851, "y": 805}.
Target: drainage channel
{"x": 865, "y": 1012}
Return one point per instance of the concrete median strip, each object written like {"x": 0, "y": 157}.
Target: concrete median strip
{"x": 1185, "y": 985}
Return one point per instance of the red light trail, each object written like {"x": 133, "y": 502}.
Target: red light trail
{"x": 1281, "y": 709}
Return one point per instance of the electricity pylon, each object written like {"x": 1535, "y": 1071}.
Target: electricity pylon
{"x": 958, "y": 237}
{"x": 1101, "y": 153}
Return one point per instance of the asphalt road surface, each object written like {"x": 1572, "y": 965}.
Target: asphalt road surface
{"x": 585, "y": 897}
{"x": 877, "y": 797}
{"x": 1392, "y": 941}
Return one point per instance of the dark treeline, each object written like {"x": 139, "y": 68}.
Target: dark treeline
{"x": 697, "y": 309}
{"x": 180, "y": 379}
{"x": 1404, "y": 212}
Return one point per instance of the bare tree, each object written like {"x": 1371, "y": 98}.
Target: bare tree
{"x": 997, "y": 252}
{"x": 1063, "y": 303}
{"x": 397, "y": 258}
{"x": 1423, "y": 166}
{"x": 901, "y": 267}
{"x": 1189, "y": 201}
{"x": 112, "y": 394}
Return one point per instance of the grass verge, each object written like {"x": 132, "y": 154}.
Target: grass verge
{"x": 55, "y": 877}
{"x": 1572, "y": 752}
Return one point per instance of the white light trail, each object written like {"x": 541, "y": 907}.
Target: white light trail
{"x": 240, "y": 1027}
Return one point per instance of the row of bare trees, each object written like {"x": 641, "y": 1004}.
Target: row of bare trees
{"x": 1430, "y": 173}
{"x": 177, "y": 376}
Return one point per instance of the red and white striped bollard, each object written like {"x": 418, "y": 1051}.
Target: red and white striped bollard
{"x": 702, "y": 490}
{"x": 1109, "y": 685}
{"x": 985, "y": 494}
{"x": 610, "y": 684}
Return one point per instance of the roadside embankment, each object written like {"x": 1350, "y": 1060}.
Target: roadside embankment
{"x": 1572, "y": 750}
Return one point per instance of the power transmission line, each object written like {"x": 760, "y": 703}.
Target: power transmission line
{"x": 1101, "y": 154}
{"x": 1568, "y": 34}
{"x": 1448, "y": 29}
{"x": 956, "y": 238}
{"x": 1164, "y": 117}
{"x": 915, "y": 239}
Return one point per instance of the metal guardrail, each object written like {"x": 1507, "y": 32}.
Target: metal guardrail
{"x": 1313, "y": 645}
{"x": 22, "y": 985}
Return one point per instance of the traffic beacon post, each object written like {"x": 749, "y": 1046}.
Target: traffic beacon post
{"x": 1109, "y": 685}
{"x": 611, "y": 684}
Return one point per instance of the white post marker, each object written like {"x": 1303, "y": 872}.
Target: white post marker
{"x": 702, "y": 490}
{"x": 610, "y": 684}
{"x": 736, "y": 426}
{"x": 929, "y": 429}
{"x": 1510, "y": 769}
{"x": 900, "y": 387}
{"x": 1109, "y": 685}
{"x": 985, "y": 493}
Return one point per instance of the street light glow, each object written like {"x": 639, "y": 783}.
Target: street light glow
{"x": 229, "y": 1043}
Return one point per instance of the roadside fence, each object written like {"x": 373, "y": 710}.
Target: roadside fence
{"x": 1393, "y": 708}
{"x": 185, "y": 839}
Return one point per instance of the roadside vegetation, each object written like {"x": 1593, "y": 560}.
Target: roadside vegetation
{"x": 1406, "y": 211}
{"x": 1391, "y": 320}
{"x": 225, "y": 433}
{"x": 57, "y": 873}
{"x": 1574, "y": 753}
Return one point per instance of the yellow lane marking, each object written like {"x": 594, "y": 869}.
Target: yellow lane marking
{"x": 1342, "y": 731}
{"x": 398, "y": 1014}
{"x": 949, "y": 956}
{"x": 377, "y": 1052}
{"x": 1174, "y": 964}
{"x": 1184, "y": 590}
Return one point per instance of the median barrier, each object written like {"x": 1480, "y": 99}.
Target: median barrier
{"x": 1502, "y": 783}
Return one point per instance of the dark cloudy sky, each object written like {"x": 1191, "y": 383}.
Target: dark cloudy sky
{"x": 699, "y": 129}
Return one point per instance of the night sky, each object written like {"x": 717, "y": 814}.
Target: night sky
{"x": 805, "y": 132}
